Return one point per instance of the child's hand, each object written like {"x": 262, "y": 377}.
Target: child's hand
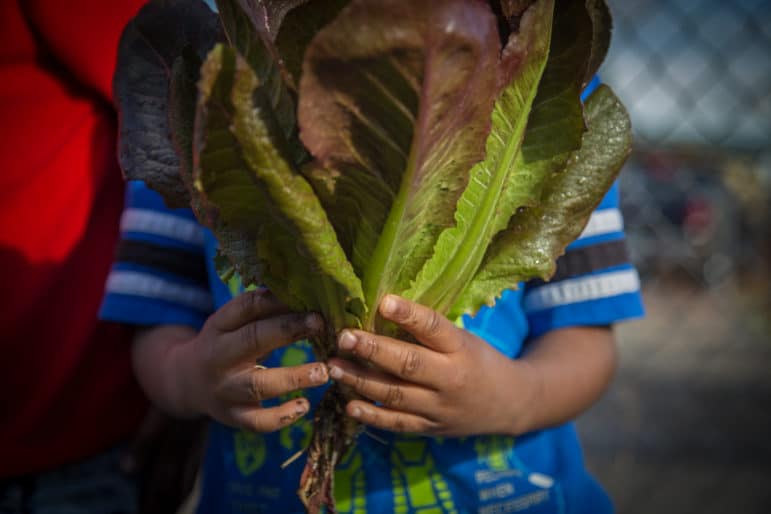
{"x": 220, "y": 363}
{"x": 455, "y": 384}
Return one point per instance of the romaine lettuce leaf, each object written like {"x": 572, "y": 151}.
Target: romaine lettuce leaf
{"x": 156, "y": 41}
{"x": 499, "y": 184}
{"x": 401, "y": 92}
{"x": 242, "y": 171}
{"x": 247, "y": 25}
{"x": 535, "y": 237}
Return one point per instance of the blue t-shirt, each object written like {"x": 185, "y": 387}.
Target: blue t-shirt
{"x": 164, "y": 274}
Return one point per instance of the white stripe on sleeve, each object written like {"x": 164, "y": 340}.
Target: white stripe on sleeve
{"x": 605, "y": 221}
{"x": 582, "y": 289}
{"x": 161, "y": 224}
{"x": 150, "y": 286}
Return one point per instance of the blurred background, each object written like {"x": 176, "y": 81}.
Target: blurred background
{"x": 686, "y": 426}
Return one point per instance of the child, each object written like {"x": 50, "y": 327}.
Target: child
{"x": 494, "y": 396}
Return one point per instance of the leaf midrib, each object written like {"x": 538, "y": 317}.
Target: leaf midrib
{"x": 383, "y": 255}
{"x": 469, "y": 255}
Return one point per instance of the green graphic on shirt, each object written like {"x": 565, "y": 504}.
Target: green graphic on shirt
{"x": 236, "y": 287}
{"x": 297, "y": 435}
{"x": 296, "y": 354}
{"x": 417, "y": 486}
{"x": 350, "y": 484}
{"x": 493, "y": 451}
{"x": 249, "y": 451}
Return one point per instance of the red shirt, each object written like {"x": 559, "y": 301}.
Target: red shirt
{"x": 66, "y": 387}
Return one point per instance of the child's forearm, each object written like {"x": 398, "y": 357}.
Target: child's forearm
{"x": 568, "y": 370}
{"x": 156, "y": 359}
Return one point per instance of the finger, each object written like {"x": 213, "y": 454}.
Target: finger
{"x": 246, "y": 307}
{"x": 270, "y": 419}
{"x": 428, "y": 326}
{"x": 381, "y": 387}
{"x": 408, "y": 361}
{"x": 258, "y": 338}
{"x": 391, "y": 420}
{"x": 254, "y": 385}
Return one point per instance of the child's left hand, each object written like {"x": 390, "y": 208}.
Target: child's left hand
{"x": 454, "y": 384}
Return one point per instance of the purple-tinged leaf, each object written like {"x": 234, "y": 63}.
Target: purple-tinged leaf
{"x": 156, "y": 41}
{"x": 402, "y": 92}
{"x": 246, "y": 27}
{"x": 500, "y": 184}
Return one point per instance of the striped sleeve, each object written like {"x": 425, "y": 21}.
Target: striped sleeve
{"x": 594, "y": 284}
{"x": 159, "y": 274}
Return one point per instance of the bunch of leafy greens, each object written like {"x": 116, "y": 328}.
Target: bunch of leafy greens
{"x": 345, "y": 149}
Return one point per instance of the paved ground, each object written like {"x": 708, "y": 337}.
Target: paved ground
{"x": 686, "y": 426}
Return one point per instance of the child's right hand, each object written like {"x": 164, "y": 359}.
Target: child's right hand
{"x": 223, "y": 378}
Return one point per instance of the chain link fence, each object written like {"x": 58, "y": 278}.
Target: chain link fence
{"x": 694, "y": 71}
{"x": 685, "y": 427}
{"x": 696, "y": 77}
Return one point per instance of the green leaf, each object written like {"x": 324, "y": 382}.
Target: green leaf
{"x": 401, "y": 92}
{"x": 499, "y": 184}
{"x": 157, "y": 40}
{"x": 529, "y": 247}
{"x": 357, "y": 205}
{"x": 513, "y": 174}
{"x": 602, "y": 25}
{"x": 246, "y": 24}
{"x": 557, "y": 108}
{"x": 183, "y": 95}
{"x": 583, "y": 21}
{"x": 243, "y": 171}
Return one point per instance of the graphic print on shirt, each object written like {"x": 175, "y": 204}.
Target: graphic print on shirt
{"x": 417, "y": 485}
{"x": 249, "y": 450}
{"x": 495, "y": 475}
{"x": 505, "y": 484}
{"x": 493, "y": 451}
{"x": 297, "y": 435}
{"x": 350, "y": 484}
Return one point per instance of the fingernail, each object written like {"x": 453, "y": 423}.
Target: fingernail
{"x": 313, "y": 322}
{"x": 356, "y": 412}
{"x": 388, "y": 305}
{"x": 301, "y": 407}
{"x": 318, "y": 374}
{"x": 335, "y": 372}
{"x": 347, "y": 340}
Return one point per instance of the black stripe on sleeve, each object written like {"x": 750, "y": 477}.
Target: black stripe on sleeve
{"x": 589, "y": 258}
{"x": 183, "y": 263}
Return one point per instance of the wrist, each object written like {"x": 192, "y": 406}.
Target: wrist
{"x": 162, "y": 365}
{"x": 183, "y": 379}
{"x": 527, "y": 386}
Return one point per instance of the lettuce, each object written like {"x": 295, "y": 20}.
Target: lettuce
{"x": 346, "y": 149}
